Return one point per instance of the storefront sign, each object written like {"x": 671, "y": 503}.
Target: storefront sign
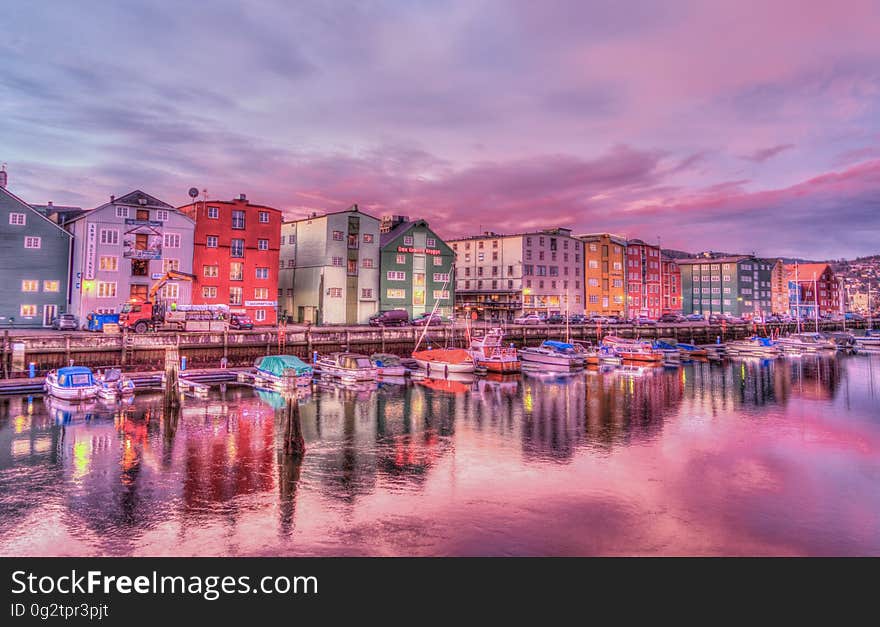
{"x": 133, "y": 222}
{"x": 142, "y": 243}
{"x": 418, "y": 251}
{"x": 91, "y": 246}
{"x": 261, "y": 303}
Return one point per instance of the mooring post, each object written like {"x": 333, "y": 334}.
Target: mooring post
{"x": 309, "y": 341}
{"x": 226, "y": 344}
{"x": 123, "y": 337}
{"x": 172, "y": 364}
{"x": 294, "y": 443}
{"x": 382, "y": 332}
{"x": 5, "y": 359}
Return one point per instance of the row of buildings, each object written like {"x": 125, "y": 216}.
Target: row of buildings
{"x": 343, "y": 267}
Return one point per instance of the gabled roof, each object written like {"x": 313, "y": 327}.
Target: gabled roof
{"x": 31, "y": 209}
{"x": 352, "y": 209}
{"x": 709, "y": 260}
{"x": 132, "y": 199}
{"x": 404, "y": 227}
{"x": 805, "y": 270}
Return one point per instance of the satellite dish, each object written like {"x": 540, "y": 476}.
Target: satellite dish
{"x": 193, "y": 192}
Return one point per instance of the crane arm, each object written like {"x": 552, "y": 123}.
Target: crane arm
{"x": 171, "y": 275}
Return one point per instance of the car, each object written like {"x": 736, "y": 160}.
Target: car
{"x": 600, "y": 320}
{"x": 240, "y": 321}
{"x": 615, "y": 320}
{"x": 65, "y": 322}
{"x": 576, "y": 319}
{"x": 555, "y": 319}
{"x": 856, "y": 317}
{"x": 529, "y": 319}
{"x": 695, "y": 317}
{"x": 427, "y": 319}
{"x": 643, "y": 321}
{"x": 670, "y": 317}
{"x": 390, "y": 317}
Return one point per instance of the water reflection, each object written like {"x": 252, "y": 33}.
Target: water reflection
{"x": 501, "y": 464}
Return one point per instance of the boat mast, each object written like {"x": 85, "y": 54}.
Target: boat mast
{"x": 434, "y": 310}
{"x": 797, "y": 296}
{"x": 816, "y": 299}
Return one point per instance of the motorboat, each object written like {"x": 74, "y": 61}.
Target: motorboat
{"x": 553, "y": 353}
{"x": 870, "y": 340}
{"x": 71, "y": 383}
{"x": 348, "y": 366}
{"x": 691, "y": 351}
{"x": 489, "y": 352}
{"x": 671, "y": 354}
{"x": 271, "y": 371}
{"x": 806, "y": 343}
{"x": 844, "y": 340}
{"x": 633, "y": 350}
{"x": 443, "y": 361}
{"x": 389, "y": 365}
{"x": 113, "y": 385}
{"x": 753, "y": 347}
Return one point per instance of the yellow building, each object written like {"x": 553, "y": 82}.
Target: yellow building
{"x": 604, "y": 274}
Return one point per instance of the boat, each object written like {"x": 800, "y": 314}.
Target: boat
{"x": 844, "y": 340}
{"x": 870, "y": 340}
{"x": 691, "y": 351}
{"x": 671, "y": 354}
{"x": 753, "y": 347}
{"x": 348, "y": 366}
{"x": 389, "y": 365}
{"x": 71, "y": 383}
{"x": 489, "y": 352}
{"x": 443, "y": 361}
{"x": 633, "y": 350}
{"x": 113, "y": 385}
{"x": 270, "y": 371}
{"x": 553, "y": 353}
{"x": 806, "y": 343}
{"x": 67, "y": 411}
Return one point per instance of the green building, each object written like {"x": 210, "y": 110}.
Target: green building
{"x": 737, "y": 286}
{"x": 35, "y": 263}
{"x": 416, "y": 268}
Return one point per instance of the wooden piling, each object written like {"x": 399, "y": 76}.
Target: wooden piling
{"x": 172, "y": 367}
{"x": 5, "y": 354}
{"x": 294, "y": 443}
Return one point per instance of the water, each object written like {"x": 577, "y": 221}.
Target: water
{"x": 749, "y": 457}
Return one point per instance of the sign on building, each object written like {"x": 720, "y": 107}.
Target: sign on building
{"x": 142, "y": 242}
{"x": 91, "y": 248}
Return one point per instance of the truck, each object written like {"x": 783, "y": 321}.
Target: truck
{"x": 155, "y": 314}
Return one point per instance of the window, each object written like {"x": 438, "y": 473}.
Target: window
{"x": 261, "y": 293}
{"x": 33, "y": 242}
{"x": 441, "y": 294}
{"x": 335, "y": 292}
{"x": 236, "y": 248}
{"x": 235, "y": 295}
{"x": 17, "y": 219}
{"x": 394, "y": 275}
{"x": 171, "y": 240}
{"x": 108, "y": 263}
{"x": 440, "y": 277}
{"x": 30, "y": 285}
{"x": 368, "y": 239}
{"x": 170, "y": 264}
{"x": 209, "y": 292}
{"x": 432, "y": 242}
{"x": 237, "y": 219}
{"x": 494, "y": 256}
{"x": 395, "y": 293}
{"x": 337, "y": 261}
{"x": 139, "y": 267}
{"x": 28, "y": 310}
{"x": 260, "y": 315}
{"x": 264, "y": 217}
{"x": 162, "y": 215}
{"x": 367, "y": 263}
{"x": 121, "y": 212}
{"x": 594, "y": 264}
{"x": 291, "y": 263}
{"x": 408, "y": 240}
{"x": 51, "y": 286}
{"x": 213, "y": 212}
{"x": 481, "y": 256}
{"x": 262, "y": 244}
{"x": 236, "y": 271}
{"x": 352, "y": 267}
{"x": 337, "y": 235}
{"x": 367, "y": 293}
{"x": 593, "y": 282}
{"x": 211, "y": 241}
{"x": 171, "y": 291}
{"x": 211, "y": 271}
{"x": 528, "y": 255}
{"x": 106, "y": 289}
{"x": 109, "y": 236}
{"x": 438, "y": 261}
{"x": 262, "y": 273}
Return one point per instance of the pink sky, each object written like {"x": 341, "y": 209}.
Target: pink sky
{"x": 736, "y": 126}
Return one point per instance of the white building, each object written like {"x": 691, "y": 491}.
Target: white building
{"x": 121, "y": 248}
{"x": 330, "y": 268}
{"x": 501, "y": 276}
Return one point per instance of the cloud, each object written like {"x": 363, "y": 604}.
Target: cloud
{"x": 763, "y": 154}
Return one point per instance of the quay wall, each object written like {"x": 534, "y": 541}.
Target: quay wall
{"x": 135, "y": 352}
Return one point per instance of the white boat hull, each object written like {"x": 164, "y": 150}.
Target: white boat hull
{"x": 72, "y": 394}
{"x": 550, "y": 359}
{"x": 392, "y": 371}
{"x": 439, "y": 367}
{"x": 350, "y": 374}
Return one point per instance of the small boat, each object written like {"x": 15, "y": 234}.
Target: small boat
{"x": 442, "y": 361}
{"x": 113, "y": 385}
{"x": 870, "y": 340}
{"x": 633, "y": 350}
{"x": 845, "y": 341}
{"x": 389, "y": 365}
{"x": 753, "y": 347}
{"x": 671, "y": 354}
{"x": 348, "y": 366}
{"x": 71, "y": 383}
{"x": 489, "y": 352}
{"x": 270, "y": 371}
{"x": 553, "y": 353}
{"x": 806, "y": 343}
{"x": 691, "y": 351}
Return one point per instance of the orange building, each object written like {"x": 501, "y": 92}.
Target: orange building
{"x": 604, "y": 274}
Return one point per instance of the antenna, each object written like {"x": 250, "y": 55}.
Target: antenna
{"x": 193, "y": 192}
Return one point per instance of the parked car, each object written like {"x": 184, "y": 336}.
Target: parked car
{"x": 240, "y": 321}
{"x": 427, "y": 319}
{"x": 65, "y": 322}
{"x": 671, "y": 317}
{"x": 695, "y": 317}
{"x": 388, "y": 318}
{"x": 577, "y": 319}
{"x": 600, "y": 320}
{"x": 529, "y": 319}
{"x": 615, "y": 320}
{"x": 555, "y": 319}
{"x": 644, "y": 321}
{"x": 855, "y": 317}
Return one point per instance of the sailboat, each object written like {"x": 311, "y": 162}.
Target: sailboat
{"x": 870, "y": 341}
{"x": 442, "y": 361}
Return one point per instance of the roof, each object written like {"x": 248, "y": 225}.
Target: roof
{"x": 354, "y": 208}
{"x": 587, "y": 237}
{"x": 29, "y": 207}
{"x": 131, "y": 200}
{"x": 805, "y": 271}
{"x": 709, "y": 260}
{"x": 234, "y": 202}
{"x": 552, "y": 232}
{"x": 74, "y": 370}
{"x": 277, "y": 364}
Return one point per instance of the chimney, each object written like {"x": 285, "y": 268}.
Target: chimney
{"x": 4, "y": 178}
{"x": 242, "y": 197}
{"x": 112, "y": 198}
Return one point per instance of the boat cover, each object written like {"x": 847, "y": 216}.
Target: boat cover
{"x": 560, "y": 346}
{"x": 75, "y": 376}
{"x": 277, "y": 364}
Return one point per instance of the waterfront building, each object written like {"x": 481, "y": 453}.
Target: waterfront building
{"x": 670, "y": 291}
{"x": 236, "y": 251}
{"x": 35, "y": 258}
{"x": 330, "y": 268}
{"x": 812, "y": 284}
{"x": 121, "y": 248}
{"x": 604, "y": 274}
{"x": 500, "y": 276}
{"x": 416, "y": 268}
{"x": 643, "y": 279}
{"x": 779, "y": 292}
{"x": 738, "y": 285}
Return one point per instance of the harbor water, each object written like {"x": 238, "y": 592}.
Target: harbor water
{"x": 745, "y": 457}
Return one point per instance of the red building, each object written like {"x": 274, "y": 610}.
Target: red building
{"x": 235, "y": 256}
{"x": 671, "y": 280}
{"x": 643, "y": 279}
{"x": 815, "y": 282}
